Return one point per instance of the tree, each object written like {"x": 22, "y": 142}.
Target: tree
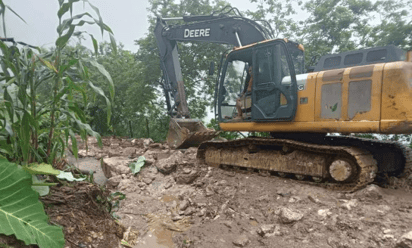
{"x": 278, "y": 14}
{"x": 395, "y": 26}
{"x": 339, "y": 25}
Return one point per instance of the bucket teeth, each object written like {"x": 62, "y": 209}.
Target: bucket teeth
{"x": 196, "y": 138}
{"x": 185, "y": 133}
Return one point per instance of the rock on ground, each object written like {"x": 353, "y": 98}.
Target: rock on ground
{"x": 186, "y": 178}
{"x": 114, "y": 181}
{"x": 372, "y": 191}
{"x": 116, "y": 166}
{"x": 241, "y": 241}
{"x": 287, "y": 216}
{"x": 130, "y": 152}
{"x": 147, "y": 142}
{"x": 168, "y": 165}
{"x": 405, "y": 241}
{"x": 266, "y": 229}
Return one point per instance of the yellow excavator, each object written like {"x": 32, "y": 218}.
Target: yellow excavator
{"x": 362, "y": 91}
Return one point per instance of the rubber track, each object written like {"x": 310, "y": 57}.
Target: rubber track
{"x": 367, "y": 165}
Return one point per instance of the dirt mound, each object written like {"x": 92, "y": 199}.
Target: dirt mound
{"x": 80, "y": 209}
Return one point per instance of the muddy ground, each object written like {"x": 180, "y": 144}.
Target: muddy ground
{"x": 175, "y": 201}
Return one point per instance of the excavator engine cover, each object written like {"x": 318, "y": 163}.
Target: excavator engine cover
{"x": 185, "y": 133}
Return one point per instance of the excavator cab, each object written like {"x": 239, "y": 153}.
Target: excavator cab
{"x": 274, "y": 88}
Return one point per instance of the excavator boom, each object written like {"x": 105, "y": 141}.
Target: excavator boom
{"x": 223, "y": 29}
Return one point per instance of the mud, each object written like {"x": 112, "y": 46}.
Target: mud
{"x": 184, "y": 203}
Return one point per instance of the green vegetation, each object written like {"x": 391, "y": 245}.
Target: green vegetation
{"x": 329, "y": 26}
{"x": 50, "y": 95}
{"x": 136, "y": 166}
{"x": 21, "y": 212}
{"x": 35, "y": 129}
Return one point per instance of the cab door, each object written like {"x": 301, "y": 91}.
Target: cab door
{"x": 274, "y": 95}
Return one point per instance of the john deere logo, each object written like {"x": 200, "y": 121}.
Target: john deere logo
{"x": 203, "y": 32}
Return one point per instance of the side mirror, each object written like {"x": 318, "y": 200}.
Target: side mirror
{"x": 212, "y": 68}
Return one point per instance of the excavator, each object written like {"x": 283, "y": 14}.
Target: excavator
{"x": 362, "y": 91}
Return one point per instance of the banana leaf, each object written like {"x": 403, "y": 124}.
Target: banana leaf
{"x": 21, "y": 212}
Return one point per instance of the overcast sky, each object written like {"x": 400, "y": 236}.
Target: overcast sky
{"x": 127, "y": 19}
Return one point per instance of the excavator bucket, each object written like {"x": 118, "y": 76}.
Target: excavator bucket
{"x": 185, "y": 133}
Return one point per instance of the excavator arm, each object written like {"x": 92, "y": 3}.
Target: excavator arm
{"x": 223, "y": 29}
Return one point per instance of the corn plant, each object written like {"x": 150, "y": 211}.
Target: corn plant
{"x": 34, "y": 132}
{"x": 23, "y": 138}
{"x": 3, "y": 8}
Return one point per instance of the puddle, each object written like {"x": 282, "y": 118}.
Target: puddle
{"x": 152, "y": 241}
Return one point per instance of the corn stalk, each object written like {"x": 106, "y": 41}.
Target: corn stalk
{"x": 33, "y": 131}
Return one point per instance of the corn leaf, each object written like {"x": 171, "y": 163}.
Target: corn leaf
{"x": 2, "y": 14}
{"x": 113, "y": 43}
{"x": 21, "y": 212}
{"x": 109, "y": 105}
{"x": 95, "y": 45}
{"x": 15, "y": 13}
{"x": 48, "y": 64}
{"x": 103, "y": 71}
{"x": 100, "y": 21}
{"x": 76, "y": 109}
{"x": 69, "y": 177}
{"x": 62, "y": 40}
{"x": 41, "y": 169}
{"x": 64, "y": 67}
{"x": 74, "y": 143}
